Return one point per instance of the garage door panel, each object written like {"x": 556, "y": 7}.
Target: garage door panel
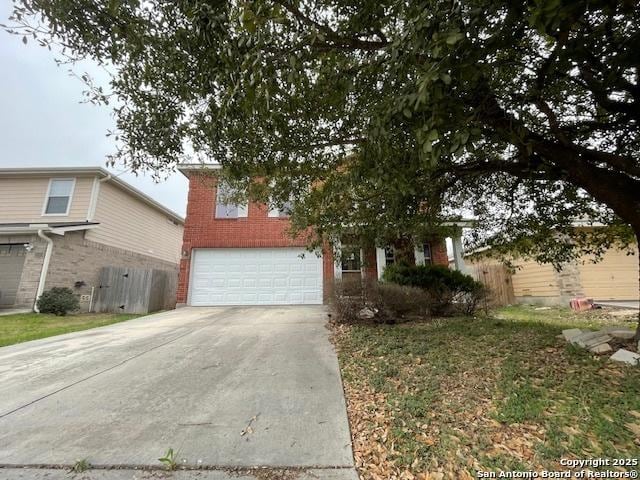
{"x": 255, "y": 277}
{"x": 11, "y": 265}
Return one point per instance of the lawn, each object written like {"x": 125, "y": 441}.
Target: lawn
{"x": 453, "y": 397}
{"x": 22, "y": 327}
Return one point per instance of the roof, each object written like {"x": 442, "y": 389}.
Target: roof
{"x": 185, "y": 168}
{"x": 54, "y": 227}
{"x": 92, "y": 171}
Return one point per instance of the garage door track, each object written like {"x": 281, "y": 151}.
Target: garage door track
{"x": 225, "y": 388}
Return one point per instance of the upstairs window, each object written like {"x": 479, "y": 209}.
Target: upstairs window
{"x": 283, "y": 212}
{"x": 225, "y": 208}
{"x": 59, "y": 196}
{"x": 428, "y": 259}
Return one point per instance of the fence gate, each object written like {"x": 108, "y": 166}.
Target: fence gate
{"x": 497, "y": 279}
{"x": 132, "y": 290}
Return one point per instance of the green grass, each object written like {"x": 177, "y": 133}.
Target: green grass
{"x": 501, "y": 392}
{"x": 22, "y": 327}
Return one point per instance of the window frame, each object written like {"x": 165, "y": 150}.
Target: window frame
{"x": 357, "y": 251}
{"x": 389, "y": 253}
{"x": 48, "y": 196}
{"x": 242, "y": 210}
{"x": 427, "y": 260}
{"x": 281, "y": 212}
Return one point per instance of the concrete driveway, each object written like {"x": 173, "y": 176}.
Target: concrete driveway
{"x": 224, "y": 387}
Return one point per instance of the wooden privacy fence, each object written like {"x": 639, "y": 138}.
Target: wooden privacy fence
{"x": 497, "y": 279}
{"x": 133, "y": 290}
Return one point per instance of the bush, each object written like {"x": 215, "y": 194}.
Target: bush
{"x": 449, "y": 291}
{"x": 382, "y": 302}
{"x": 345, "y": 305}
{"x": 59, "y": 301}
{"x": 392, "y": 302}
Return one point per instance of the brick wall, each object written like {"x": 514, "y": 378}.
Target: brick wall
{"x": 257, "y": 230}
{"x": 439, "y": 252}
{"x": 74, "y": 259}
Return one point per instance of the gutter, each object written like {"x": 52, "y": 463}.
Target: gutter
{"x": 45, "y": 268}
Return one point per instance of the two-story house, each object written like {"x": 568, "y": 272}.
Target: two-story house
{"x": 244, "y": 255}
{"x": 60, "y": 226}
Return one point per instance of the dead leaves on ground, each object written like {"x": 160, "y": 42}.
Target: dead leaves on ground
{"x": 454, "y": 425}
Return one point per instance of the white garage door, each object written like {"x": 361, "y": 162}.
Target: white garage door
{"x": 255, "y": 276}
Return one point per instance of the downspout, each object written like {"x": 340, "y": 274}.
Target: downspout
{"x": 45, "y": 268}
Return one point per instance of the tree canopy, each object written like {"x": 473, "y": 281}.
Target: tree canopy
{"x": 389, "y": 116}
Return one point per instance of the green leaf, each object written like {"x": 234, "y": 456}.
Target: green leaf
{"x": 454, "y": 37}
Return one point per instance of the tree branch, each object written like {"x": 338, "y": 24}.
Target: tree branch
{"x": 341, "y": 42}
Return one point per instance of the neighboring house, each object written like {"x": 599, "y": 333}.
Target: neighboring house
{"x": 614, "y": 278}
{"x": 243, "y": 254}
{"x": 60, "y": 226}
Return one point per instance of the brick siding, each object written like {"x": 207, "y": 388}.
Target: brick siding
{"x": 257, "y": 230}
{"x": 75, "y": 259}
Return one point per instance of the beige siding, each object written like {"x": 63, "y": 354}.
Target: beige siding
{"x": 530, "y": 279}
{"x": 534, "y": 280}
{"x": 615, "y": 277}
{"x": 129, "y": 223}
{"x": 22, "y": 200}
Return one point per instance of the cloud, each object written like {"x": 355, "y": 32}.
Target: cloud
{"x": 43, "y": 123}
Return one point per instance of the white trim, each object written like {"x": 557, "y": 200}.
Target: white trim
{"x": 75, "y": 228}
{"x": 418, "y": 252}
{"x": 44, "y": 270}
{"x": 33, "y": 228}
{"x": 243, "y": 210}
{"x": 381, "y": 261}
{"x": 191, "y": 263}
{"x": 46, "y": 198}
{"x": 274, "y": 213}
{"x": 458, "y": 254}
{"x": 190, "y": 167}
{"x": 93, "y": 202}
{"x": 337, "y": 262}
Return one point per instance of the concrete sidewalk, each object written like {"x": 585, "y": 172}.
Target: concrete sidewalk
{"x": 224, "y": 387}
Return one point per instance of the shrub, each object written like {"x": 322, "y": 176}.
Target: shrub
{"x": 450, "y": 291}
{"x": 59, "y": 301}
{"x": 383, "y": 302}
{"x": 392, "y": 302}
{"x": 345, "y": 305}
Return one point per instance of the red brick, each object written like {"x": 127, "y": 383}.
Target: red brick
{"x": 257, "y": 230}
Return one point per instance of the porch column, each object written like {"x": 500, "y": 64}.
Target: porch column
{"x": 380, "y": 261}
{"x": 337, "y": 262}
{"x": 458, "y": 254}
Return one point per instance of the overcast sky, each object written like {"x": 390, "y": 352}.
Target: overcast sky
{"x": 43, "y": 123}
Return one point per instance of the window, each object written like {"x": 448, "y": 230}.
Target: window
{"x": 389, "y": 255}
{"x": 428, "y": 259}
{"x": 59, "y": 196}
{"x": 283, "y": 212}
{"x": 350, "y": 257}
{"x": 226, "y": 208}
